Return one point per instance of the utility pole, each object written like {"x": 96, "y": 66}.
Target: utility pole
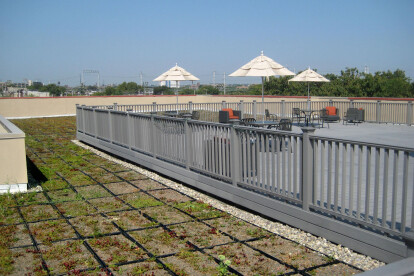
{"x": 224, "y": 83}
{"x": 214, "y": 78}
{"x": 140, "y": 75}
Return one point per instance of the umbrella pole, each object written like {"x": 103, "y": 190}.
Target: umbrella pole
{"x": 176, "y": 95}
{"x": 263, "y": 113}
{"x": 308, "y": 98}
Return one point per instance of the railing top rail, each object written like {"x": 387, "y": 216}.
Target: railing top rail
{"x": 360, "y": 143}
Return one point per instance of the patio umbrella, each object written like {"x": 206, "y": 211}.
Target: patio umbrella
{"x": 176, "y": 74}
{"x": 309, "y": 76}
{"x": 262, "y": 66}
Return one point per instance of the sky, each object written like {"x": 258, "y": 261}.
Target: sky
{"x": 54, "y": 41}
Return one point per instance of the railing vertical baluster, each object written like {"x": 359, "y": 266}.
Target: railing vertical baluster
{"x": 322, "y": 180}
{"x": 329, "y": 191}
{"x": 394, "y": 189}
{"x": 376, "y": 187}
{"x": 368, "y": 184}
{"x": 289, "y": 160}
{"x": 344, "y": 175}
{"x": 111, "y": 130}
{"x": 235, "y": 156}
{"x": 152, "y": 136}
{"x": 385, "y": 188}
{"x": 188, "y": 146}
{"x": 274, "y": 162}
{"x": 267, "y": 153}
{"x": 295, "y": 167}
{"x": 242, "y": 109}
{"x": 359, "y": 187}
{"x": 254, "y": 109}
{"x": 404, "y": 192}
{"x": 130, "y": 130}
{"x": 351, "y": 181}
{"x": 258, "y": 162}
{"x": 336, "y": 188}
{"x": 283, "y": 114}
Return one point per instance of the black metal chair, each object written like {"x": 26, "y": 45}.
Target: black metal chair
{"x": 195, "y": 115}
{"x": 269, "y": 116}
{"x": 246, "y": 121}
{"x": 297, "y": 114}
{"x": 285, "y": 124}
{"x": 354, "y": 115}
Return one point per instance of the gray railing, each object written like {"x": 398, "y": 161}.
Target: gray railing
{"x": 353, "y": 193}
{"x": 375, "y": 111}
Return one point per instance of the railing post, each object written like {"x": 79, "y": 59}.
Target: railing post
{"x": 242, "y": 109}
{"x": 223, "y": 104}
{"x": 188, "y": 148}
{"x": 83, "y": 118}
{"x": 330, "y": 102}
{"x": 190, "y": 106}
{"x": 154, "y": 107}
{"x": 131, "y": 130}
{"x": 115, "y": 106}
{"x": 152, "y": 135}
{"x": 307, "y": 168}
{"x": 378, "y": 115}
{"x": 409, "y": 113}
{"x": 283, "y": 115}
{"x": 234, "y": 156}
{"x": 254, "y": 109}
{"x": 351, "y": 103}
{"x": 111, "y": 135}
{"x": 95, "y": 123}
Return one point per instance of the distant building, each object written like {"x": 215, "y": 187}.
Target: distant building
{"x": 37, "y": 94}
{"x": 170, "y": 84}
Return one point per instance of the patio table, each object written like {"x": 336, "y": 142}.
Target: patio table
{"x": 267, "y": 124}
{"x": 308, "y": 113}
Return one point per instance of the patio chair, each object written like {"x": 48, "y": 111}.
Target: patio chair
{"x": 285, "y": 124}
{"x": 354, "y": 115}
{"x": 246, "y": 121}
{"x": 329, "y": 115}
{"x": 269, "y": 116}
{"x": 195, "y": 115}
{"x": 227, "y": 114}
{"x": 297, "y": 114}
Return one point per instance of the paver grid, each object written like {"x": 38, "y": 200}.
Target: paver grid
{"x": 96, "y": 217}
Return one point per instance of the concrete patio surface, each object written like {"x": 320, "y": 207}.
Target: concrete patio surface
{"x": 387, "y": 134}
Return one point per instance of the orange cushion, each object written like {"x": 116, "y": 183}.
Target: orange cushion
{"x": 330, "y": 110}
{"x": 229, "y": 110}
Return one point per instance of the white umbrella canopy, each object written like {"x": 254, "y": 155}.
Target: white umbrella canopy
{"x": 262, "y": 66}
{"x": 176, "y": 74}
{"x": 309, "y": 76}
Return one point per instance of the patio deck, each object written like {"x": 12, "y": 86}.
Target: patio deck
{"x": 96, "y": 216}
{"x": 388, "y": 134}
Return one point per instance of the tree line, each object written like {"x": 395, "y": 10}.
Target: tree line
{"x": 349, "y": 83}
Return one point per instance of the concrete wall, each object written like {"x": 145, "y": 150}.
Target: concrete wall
{"x": 13, "y": 170}
{"x": 38, "y": 107}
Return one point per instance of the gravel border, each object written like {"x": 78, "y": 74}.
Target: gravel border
{"x": 318, "y": 244}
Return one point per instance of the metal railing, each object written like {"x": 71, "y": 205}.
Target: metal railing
{"x": 340, "y": 182}
{"x": 375, "y": 111}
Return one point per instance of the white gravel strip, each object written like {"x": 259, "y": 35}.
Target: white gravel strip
{"x": 318, "y": 244}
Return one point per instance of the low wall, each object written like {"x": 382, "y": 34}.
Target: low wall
{"x": 58, "y": 106}
{"x": 13, "y": 170}
{"x": 41, "y": 107}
